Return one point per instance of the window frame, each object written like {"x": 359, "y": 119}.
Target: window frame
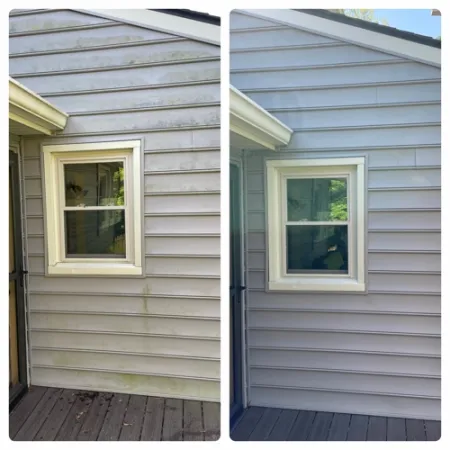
{"x": 277, "y": 173}
{"x": 54, "y": 158}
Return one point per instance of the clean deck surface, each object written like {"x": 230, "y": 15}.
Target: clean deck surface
{"x": 52, "y": 414}
{"x": 272, "y": 424}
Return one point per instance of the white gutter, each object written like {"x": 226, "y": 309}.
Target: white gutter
{"x": 32, "y": 111}
{"x": 253, "y": 122}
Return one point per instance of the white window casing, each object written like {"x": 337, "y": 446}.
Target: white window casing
{"x": 353, "y": 169}
{"x": 54, "y": 156}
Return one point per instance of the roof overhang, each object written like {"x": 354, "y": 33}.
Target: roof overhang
{"x": 168, "y": 23}
{"x": 31, "y": 114}
{"x": 251, "y": 126}
{"x": 348, "y": 33}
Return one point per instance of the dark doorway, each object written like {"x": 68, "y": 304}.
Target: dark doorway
{"x": 236, "y": 290}
{"x": 17, "y": 346}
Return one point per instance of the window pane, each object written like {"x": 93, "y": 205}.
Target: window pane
{"x": 95, "y": 234}
{"x": 317, "y": 248}
{"x": 317, "y": 199}
{"x": 94, "y": 184}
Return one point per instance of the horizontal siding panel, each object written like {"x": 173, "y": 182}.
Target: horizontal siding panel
{"x": 124, "y": 324}
{"x": 33, "y": 187}
{"x": 139, "y": 98}
{"x": 52, "y": 20}
{"x": 346, "y": 361}
{"x": 241, "y": 21}
{"x": 35, "y": 244}
{"x": 154, "y": 120}
{"x": 273, "y": 38}
{"x": 403, "y": 282}
{"x": 345, "y": 402}
{"x": 428, "y": 157}
{"x": 293, "y": 77}
{"x": 345, "y": 342}
{"x": 103, "y": 58}
{"x": 405, "y": 199}
{"x": 307, "y": 379}
{"x": 418, "y": 262}
{"x": 405, "y": 178}
{"x": 150, "y": 286}
{"x": 348, "y": 95}
{"x": 162, "y": 345}
{"x": 182, "y": 225}
{"x": 179, "y": 245}
{"x": 140, "y": 76}
{"x": 184, "y": 182}
{"x": 200, "y": 203}
{"x": 183, "y": 266}
{"x": 128, "y": 383}
{"x": 113, "y": 362}
{"x": 405, "y": 241}
{"x": 377, "y": 115}
{"x": 34, "y": 206}
{"x": 397, "y": 219}
{"x": 361, "y": 138}
{"x": 191, "y": 307}
{"x": 71, "y": 39}
{"x": 283, "y": 57}
{"x": 182, "y": 160}
{"x": 395, "y": 303}
{"x": 345, "y": 322}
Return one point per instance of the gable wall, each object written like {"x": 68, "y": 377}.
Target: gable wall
{"x": 365, "y": 354}
{"x": 157, "y": 335}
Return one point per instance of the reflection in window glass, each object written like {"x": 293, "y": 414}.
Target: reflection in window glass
{"x": 317, "y": 248}
{"x": 317, "y": 199}
{"x": 94, "y": 184}
{"x": 95, "y": 234}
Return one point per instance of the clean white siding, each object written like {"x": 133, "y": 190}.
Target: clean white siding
{"x": 157, "y": 335}
{"x": 369, "y": 354}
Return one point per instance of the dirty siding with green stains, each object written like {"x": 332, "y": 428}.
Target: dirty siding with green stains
{"x": 157, "y": 335}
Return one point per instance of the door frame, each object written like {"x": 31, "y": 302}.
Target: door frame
{"x": 14, "y": 172}
{"x": 239, "y": 164}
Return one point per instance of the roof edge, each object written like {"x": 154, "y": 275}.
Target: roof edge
{"x": 353, "y": 34}
{"x": 161, "y": 21}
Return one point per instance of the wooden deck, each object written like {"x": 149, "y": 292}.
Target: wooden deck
{"x": 271, "y": 424}
{"x": 51, "y": 414}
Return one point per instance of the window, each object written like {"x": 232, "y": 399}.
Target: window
{"x": 93, "y": 208}
{"x": 316, "y": 224}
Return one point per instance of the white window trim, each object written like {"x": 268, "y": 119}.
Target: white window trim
{"x": 57, "y": 264}
{"x": 278, "y": 280}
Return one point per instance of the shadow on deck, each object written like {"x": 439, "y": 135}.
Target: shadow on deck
{"x": 272, "y": 424}
{"x": 51, "y": 414}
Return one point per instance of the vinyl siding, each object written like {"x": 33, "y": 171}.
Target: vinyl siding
{"x": 377, "y": 353}
{"x": 159, "y": 334}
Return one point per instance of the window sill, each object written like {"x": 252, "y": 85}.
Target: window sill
{"x": 317, "y": 285}
{"x": 94, "y": 269}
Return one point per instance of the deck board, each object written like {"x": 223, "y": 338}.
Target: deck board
{"x": 173, "y": 420}
{"x": 134, "y": 417}
{"x": 283, "y": 425}
{"x": 273, "y": 424}
{"x": 24, "y": 408}
{"x": 112, "y": 425}
{"x": 51, "y": 414}
{"x": 36, "y": 419}
{"x": 211, "y": 420}
{"x": 193, "y": 422}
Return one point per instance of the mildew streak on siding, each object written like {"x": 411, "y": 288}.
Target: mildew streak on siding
{"x": 362, "y": 354}
{"x": 156, "y": 335}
